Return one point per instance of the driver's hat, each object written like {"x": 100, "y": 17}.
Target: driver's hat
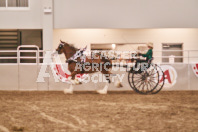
{"x": 150, "y": 44}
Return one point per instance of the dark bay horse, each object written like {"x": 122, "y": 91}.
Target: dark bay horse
{"x": 92, "y": 64}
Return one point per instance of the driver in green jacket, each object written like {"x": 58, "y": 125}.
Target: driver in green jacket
{"x": 149, "y": 53}
{"x": 148, "y": 56}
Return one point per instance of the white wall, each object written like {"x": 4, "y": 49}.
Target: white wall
{"x": 47, "y": 20}
{"x": 22, "y": 19}
{"x": 82, "y": 37}
{"x": 32, "y": 18}
{"x": 125, "y": 14}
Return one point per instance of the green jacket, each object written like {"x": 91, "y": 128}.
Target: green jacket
{"x": 149, "y": 54}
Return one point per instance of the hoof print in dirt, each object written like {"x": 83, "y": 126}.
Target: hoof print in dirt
{"x": 17, "y": 129}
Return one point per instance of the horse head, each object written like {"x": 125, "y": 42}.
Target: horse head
{"x": 68, "y": 49}
{"x": 60, "y": 48}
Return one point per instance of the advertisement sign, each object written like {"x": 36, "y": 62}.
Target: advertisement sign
{"x": 170, "y": 76}
{"x": 195, "y": 69}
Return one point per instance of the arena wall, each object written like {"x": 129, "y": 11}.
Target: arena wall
{"x": 125, "y": 14}
{"x": 30, "y": 18}
{"x": 33, "y": 17}
{"x": 105, "y": 21}
{"x": 82, "y": 37}
{"x": 24, "y": 77}
{"x": 116, "y": 14}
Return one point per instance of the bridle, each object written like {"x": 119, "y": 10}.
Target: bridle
{"x": 61, "y": 45}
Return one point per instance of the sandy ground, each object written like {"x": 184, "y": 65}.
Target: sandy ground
{"x": 87, "y": 111}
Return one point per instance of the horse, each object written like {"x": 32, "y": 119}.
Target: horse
{"x": 97, "y": 63}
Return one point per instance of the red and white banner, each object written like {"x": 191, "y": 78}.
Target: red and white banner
{"x": 63, "y": 76}
{"x": 195, "y": 69}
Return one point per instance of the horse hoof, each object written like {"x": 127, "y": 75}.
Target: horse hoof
{"x": 77, "y": 82}
{"x": 102, "y": 91}
{"x": 118, "y": 85}
{"x": 73, "y": 82}
{"x": 68, "y": 91}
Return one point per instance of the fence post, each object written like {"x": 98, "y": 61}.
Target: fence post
{"x": 188, "y": 70}
{"x": 19, "y": 59}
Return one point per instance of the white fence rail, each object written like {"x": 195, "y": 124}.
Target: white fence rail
{"x": 187, "y": 55}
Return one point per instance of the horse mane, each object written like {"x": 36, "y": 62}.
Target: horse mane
{"x": 70, "y": 45}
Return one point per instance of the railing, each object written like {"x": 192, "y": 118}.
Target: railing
{"x": 28, "y": 57}
{"x": 19, "y": 51}
{"x": 189, "y": 56}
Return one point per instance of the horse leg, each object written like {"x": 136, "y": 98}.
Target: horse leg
{"x": 70, "y": 90}
{"x": 104, "y": 90}
{"x": 73, "y": 80}
{"x": 117, "y": 82}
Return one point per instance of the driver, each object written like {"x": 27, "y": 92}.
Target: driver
{"x": 148, "y": 56}
{"x": 149, "y": 53}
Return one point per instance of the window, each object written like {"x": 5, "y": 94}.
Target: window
{"x": 123, "y": 51}
{"x": 172, "y": 49}
{"x": 10, "y": 39}
{"x": 14, "y": 3}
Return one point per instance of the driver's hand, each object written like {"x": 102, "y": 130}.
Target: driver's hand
{"x": 139, "y": 54}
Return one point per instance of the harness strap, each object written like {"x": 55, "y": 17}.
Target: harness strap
{"x": 79, "y": 53}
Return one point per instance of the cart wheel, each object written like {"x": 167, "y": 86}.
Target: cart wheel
{"x": 130, "y": 75}
{"x": 161, "y": 80}
{"x": 144, "y": 82}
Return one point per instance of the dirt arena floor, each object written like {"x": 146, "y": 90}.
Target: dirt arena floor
{"x": 171, "y": 111}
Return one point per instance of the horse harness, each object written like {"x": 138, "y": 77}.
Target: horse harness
{"x": 79, "y": 53}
